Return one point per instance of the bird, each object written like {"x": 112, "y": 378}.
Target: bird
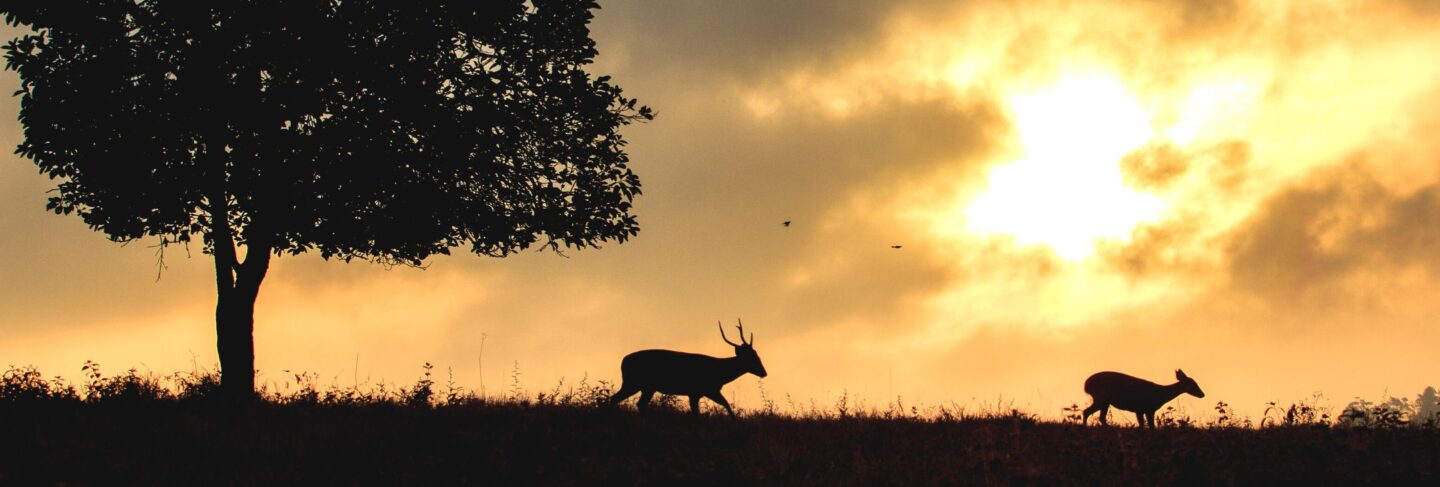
{"x": 786, "y": 223}
{"x": 896, "y": 246}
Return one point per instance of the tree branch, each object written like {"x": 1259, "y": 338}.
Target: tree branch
{"x": 251, "y": 273}
{"x": 222, "y": 240}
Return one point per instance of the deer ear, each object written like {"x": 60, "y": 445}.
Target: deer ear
{"x": 1179, "y": 374}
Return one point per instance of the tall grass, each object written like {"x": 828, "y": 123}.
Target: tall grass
{"x": 141, "y": 428}
{"x": 26, "y": 385}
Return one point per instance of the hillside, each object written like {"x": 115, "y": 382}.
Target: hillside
{"x": 129, "y": 430}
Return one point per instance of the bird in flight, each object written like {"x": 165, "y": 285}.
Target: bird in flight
{"x": 786, "y": 223}
{"x": 896, "y": 246}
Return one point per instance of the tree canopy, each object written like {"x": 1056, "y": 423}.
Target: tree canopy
{"x": 374, "y": 129}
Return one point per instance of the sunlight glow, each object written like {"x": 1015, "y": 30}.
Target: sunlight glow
{"x": 1067, "y": 191}
{"x": 1215, "y": 107}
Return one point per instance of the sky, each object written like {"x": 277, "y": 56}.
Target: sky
{"x": 1249, "y": 191}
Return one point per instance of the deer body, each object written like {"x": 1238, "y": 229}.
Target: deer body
{"x": 1134, "y": 394}
{"x": 685, "y": 374}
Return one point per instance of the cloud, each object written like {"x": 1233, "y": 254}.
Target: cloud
{"x": 1154, "y": 166}
{"x": 1159, "y": 249}
{"x": 1336, "y": 240}
{"x": 1158, "y": 166}
{"x": 1422, "y": 7}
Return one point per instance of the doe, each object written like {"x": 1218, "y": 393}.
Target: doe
{"x": 1134, "y": 394}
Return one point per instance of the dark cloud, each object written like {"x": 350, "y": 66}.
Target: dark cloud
{"x": 737, "y": 38}
{"x": 1154, "y": 166}
{"x": 1425, "y": 7}
{"x": 1204, "y": 14}
{"x": 1312, "y": 243}
{"x": 1156, "y": 248}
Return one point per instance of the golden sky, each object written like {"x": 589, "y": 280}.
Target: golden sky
{"x": 1246, "y": 190}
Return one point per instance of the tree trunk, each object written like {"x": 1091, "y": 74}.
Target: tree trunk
{"x": 235, "y": 342}
{"x": 235, "y": 319}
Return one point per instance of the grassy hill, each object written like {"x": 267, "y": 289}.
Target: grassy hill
{"x": 133, "y": 429}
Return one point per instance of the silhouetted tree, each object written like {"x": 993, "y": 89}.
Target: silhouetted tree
{"x": 1427, "y": 408}
{"x": 380, "y": 130}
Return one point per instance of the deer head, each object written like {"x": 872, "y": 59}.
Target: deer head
{"x": 745, "y": 350}
{"x": 1187, "y": 384}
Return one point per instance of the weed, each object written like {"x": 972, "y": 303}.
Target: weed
{"x": 517, "y": 393}
{"x": 767, "y": 405}
{"x": 305, "y": 391}
{"x": 1072, "y": 413}
{"x": 842, "y": 405}
{"x": 1225, "y": 417}
{"x": 593, "y": 395}
{"x": 949, "y": 414}
{"x": 1173, "y": 417}
{"x": 1304, "y": 413}
{"x": 420, "y": 394}
{"x": 454, "y": 394}
{"x": 555, "y": 397}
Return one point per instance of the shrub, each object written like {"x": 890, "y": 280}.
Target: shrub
{"x": 1390, "y": 414}
{"x": 1173, "y": 417}
{"x": 25, "y": 384}
{"x": 1225, "y": 417}
{"x": 1427, "y": 409}
{"x": 129, "y": 387}
{"x": 197, "y": 384}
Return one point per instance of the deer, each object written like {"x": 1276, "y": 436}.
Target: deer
{"x": 1134, "y": 394}
{"x": 687, "y": 374}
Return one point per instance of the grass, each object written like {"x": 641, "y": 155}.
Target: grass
{"x": 136, "y": 428}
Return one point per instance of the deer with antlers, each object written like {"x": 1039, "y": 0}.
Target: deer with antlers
{"x": 687, "y": 374}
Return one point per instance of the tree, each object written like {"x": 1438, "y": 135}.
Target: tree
{"x": 378, "y": 130}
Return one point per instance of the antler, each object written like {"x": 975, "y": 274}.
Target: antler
{"x": 741, "y": 326}
{"x": 723, "y": 337}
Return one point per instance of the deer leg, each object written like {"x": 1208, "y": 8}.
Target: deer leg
{"x": 1094, "y": 407}
{"x": 1104, "y": 410}
{"x": 644, "y": 402}
{"x": 623, "y": 393}
{"x": 695, "y": 405}
{"x": 720, "y": 399}
{"x": 1140, "y": 417}
{"x": 1151, "y": 418}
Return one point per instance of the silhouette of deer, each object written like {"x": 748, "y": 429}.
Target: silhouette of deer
{"x": 687, "y": 374}
{"x": 1134, "y": 394}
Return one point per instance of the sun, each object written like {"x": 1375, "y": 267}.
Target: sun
{"x": 1067, "y": 190}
